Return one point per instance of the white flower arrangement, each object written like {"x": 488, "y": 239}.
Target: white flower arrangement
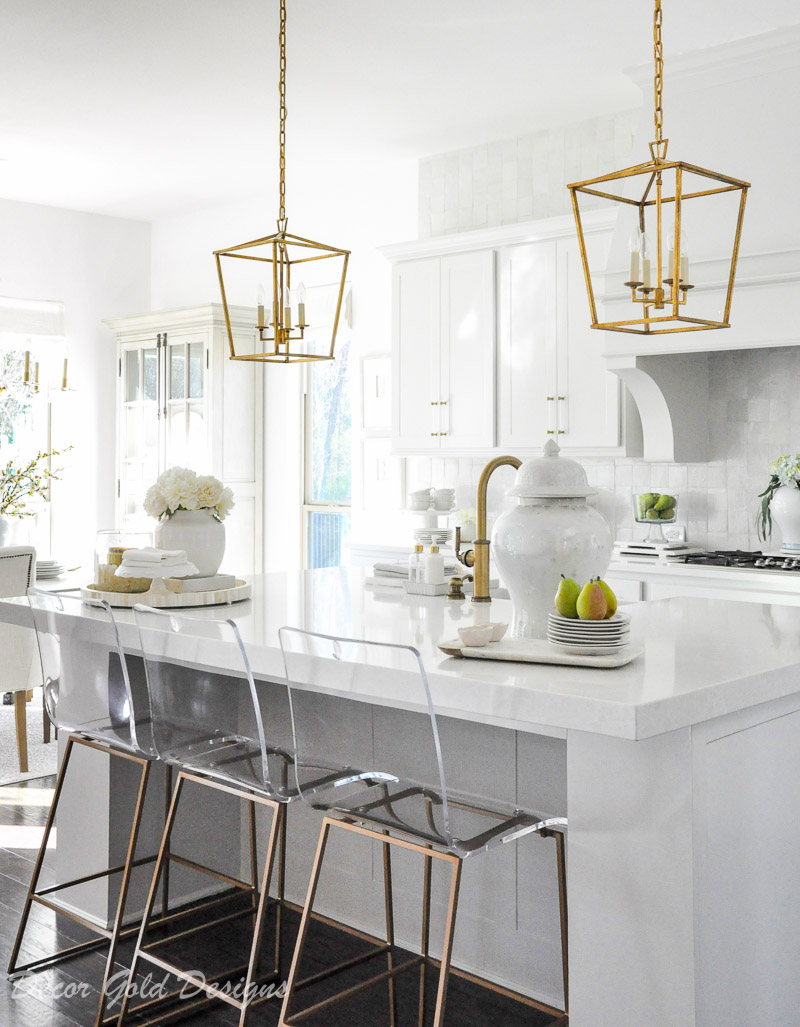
{"x": 179, "y": 488}
{"x": 785, "y": 471}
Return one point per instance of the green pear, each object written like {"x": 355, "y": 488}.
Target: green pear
{"x": 567, "y": 597}
{"x": 611, "y": 599}
{"x": 592, "y": 603}
{"x": 649, "y": 499}
{"x": 665, "y": 503}
{"x": 667, "y": 515}
{"x": 652, "y": 514}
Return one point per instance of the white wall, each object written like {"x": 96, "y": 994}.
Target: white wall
{"x": 358, "y": 206}
{"x": 98, "y": 267}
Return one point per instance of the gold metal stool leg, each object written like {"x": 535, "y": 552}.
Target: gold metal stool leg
{"x": 123, "y": 892}
{"x": 426, "y": 936}
{"x": 288, "y": 1019}
{"x": 388, "y": 901}
{"x": 37, "y": 867}
{"x": 142, "y": 951}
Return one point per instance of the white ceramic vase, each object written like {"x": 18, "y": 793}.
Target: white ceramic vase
{"x": 551, "y": 531}
{"x": 199, "y": 533}
{"x": 5, "y": 530}
{"x": 785, "y": 510}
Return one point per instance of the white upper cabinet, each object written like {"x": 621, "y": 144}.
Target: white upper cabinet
{"x": 553, "y": 378}
{"x": 444, "y": 353}
{"x": 492, "y": 346}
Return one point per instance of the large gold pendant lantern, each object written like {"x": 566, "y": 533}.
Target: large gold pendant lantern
{"x": 670, "y": 203}
{"x": 280, "y": 331}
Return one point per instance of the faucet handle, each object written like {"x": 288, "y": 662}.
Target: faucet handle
{"x": 467, "y": 558}
{"x": 456, "y": 587}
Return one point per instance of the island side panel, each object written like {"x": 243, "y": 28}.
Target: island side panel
{"x": 747, "y": 812}
{"x": 630, "y": 879}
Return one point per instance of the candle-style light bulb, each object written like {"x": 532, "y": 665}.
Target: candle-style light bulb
{"x": 644, "y": 252}
{"x": 635, "y": 243}
{"x": 64, "y": 376}
{"x": 684, "y": 259}
{"x": 27, "y": 375}
{"x": 36, "y": 376}
{"x": 301, "y": 305}
{"x": 260, "y": 305}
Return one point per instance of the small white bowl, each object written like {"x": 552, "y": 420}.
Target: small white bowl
{"x": 498, "y": 630}
{"x": 476, "y": 634}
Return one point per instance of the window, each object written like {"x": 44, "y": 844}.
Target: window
{"x": 328, "y": 464}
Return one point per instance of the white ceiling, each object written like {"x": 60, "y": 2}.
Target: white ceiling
{"x": 141, "y": 108}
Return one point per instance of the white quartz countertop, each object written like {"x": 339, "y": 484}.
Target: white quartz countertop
{"x": 703, "y": 657}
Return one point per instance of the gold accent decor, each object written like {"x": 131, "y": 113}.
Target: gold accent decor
{"x": 278, "y": 339}
{"x": 659, "y": 279}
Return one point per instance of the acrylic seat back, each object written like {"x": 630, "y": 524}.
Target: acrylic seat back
{"x": 344, "y": 759}
{"x": 205, "y": 719}
{"x": 87, "y": 684}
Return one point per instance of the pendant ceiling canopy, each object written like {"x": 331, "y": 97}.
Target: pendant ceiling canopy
{"x": 664, "y": 198}
{"x": 281, "y": 327}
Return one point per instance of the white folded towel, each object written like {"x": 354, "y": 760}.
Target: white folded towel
{"x": 149, "y": 557}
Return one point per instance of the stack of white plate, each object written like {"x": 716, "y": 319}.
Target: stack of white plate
{"x": 49, "y": 569}
{"x": 433, "y": 536}
{"x": 589, "y": 637}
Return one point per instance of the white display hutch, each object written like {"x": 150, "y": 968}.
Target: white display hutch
{"x": 181, "y": 401}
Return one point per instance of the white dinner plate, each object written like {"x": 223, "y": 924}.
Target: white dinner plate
{"x": 588, "y": 650}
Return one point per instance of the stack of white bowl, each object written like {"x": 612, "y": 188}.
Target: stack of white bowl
{"x": 589, "y": 637}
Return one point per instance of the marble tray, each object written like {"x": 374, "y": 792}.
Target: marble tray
{"x": 215, "y": 597}
{"x": 539, "y": 650}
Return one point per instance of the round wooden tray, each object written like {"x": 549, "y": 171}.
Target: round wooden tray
{"x": 215, "y": 597}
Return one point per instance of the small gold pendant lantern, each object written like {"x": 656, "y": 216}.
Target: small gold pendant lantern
{"x": 659, "y": 279}
{"x": 281, "y": 328}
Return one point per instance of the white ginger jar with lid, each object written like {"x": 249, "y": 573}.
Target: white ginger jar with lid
{"x": 551, "y": 531}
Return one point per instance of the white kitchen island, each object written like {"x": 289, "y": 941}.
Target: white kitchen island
{"x": 679, "y": 774}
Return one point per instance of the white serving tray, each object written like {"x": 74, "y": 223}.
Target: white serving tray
{"x": 539, "y": 650}
{"x": 215, "y": 597}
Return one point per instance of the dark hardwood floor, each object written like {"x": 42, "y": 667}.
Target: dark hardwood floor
{"x": 68, "y": 995}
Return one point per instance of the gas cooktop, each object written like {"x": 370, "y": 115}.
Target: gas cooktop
{"x": 739, "y": 558}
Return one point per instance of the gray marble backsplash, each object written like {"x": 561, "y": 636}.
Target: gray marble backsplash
{"x": 753, "y": 417}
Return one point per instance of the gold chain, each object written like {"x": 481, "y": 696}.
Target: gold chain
{"x": 658, "y": 83}
{"x": 282, "y": 134}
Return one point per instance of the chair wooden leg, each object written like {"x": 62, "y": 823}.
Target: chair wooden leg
{"x": 449, "y": 933}
{"x": 305, "y": 919}
{"x": 123, "y": 892}
{"x": 37, "y": 867}
{"x": 45, "y": 724}
{"x": 20, "y": 720}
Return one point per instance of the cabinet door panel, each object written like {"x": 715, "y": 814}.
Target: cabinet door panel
{"x": 589, "y": 410}
{"x": 468, "y": 351}
{"x": 416, "y": 315}
{"x": 527, "y": 346}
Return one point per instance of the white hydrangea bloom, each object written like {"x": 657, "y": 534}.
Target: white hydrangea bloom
{"x": 154, "y": 503}
{"x": 225, "y": 504}
{"x": 209, "y": 491}
{"x": 787, "y": 469}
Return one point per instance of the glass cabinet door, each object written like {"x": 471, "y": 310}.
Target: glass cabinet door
{"x": 139, "y": 429}
{"x": 185, "y": 409}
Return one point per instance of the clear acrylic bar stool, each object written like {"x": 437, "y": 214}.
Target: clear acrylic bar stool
{"x": 88, "y": 694}
{"x": 212, "y": 729}
{"x": 383, "y": 802}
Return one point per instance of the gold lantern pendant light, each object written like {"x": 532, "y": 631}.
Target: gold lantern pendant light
{"x": 280, "y": 339}
{"x": 659, "y": 279}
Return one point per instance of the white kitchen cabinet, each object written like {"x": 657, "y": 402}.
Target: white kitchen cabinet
{"x": 553, "y": 378}
{"x": 444, "y": 353}
{"x": 181, "y": 401}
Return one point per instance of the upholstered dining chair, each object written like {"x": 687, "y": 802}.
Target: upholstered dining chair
{"x": 19, "y": 667}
